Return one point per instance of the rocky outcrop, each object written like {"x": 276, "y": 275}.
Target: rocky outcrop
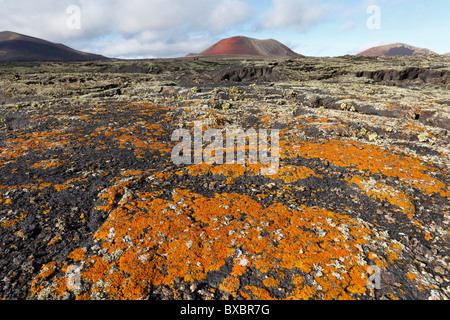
{"x": 425, "y": 75}
{"x": 247, "y": 74}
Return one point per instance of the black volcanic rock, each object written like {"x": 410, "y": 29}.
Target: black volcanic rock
{"x": 93, "y": 206}
{"x": 425, "y": 75}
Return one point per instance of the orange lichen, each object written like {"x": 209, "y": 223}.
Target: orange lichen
{"x": 38, "y": 142}
{"x": 54, "y": 240}
{"x": 46, "y": 272}
{"x": 230, "y": 285}
{"x": 68, "y": 184}
{"x": 231, "y": 171}
{"x": 173, "y": 236}
{"x": 381, "y": 191}
{"x": 411, "y": 276}
{"x": 20, "y": 233}
{"x": 370, "y": 158}
{"x": 162, "y": 176}
{"x": 271, "y": 282}
{"x": 12, "y": 221}
{"x": 288, "y": 174}
{"x": 110, "y": 195}
{"x": 259, "y": 293}
{"x": 128, "y": 173}
{"x": 47, "y": 164}
{"x": 85, "y": 296}
{"x": 78, "y": 254}
{"x": 291, "y": 174}
{"x": 302, "y": 291}
{"x": 160, "y": 243}
{"x": 132, "y": 138}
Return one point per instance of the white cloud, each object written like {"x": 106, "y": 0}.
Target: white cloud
{"x": 347, "y": 26}
{"x": 141, "y": 46}
{"x": 297, "y": 14}
{"x": 48, "y": 19}
{"x": 127, "y": 27}
{"x": 229, "y": 12}
{"x": 194, "y": 15}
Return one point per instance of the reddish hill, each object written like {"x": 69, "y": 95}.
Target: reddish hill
{"x": 396, "y": 49}
{"x": 239, "y": 46}
{"x": 18, "y": 47}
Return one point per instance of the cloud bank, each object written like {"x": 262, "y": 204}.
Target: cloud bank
{"x": 299, "y": 15}
{"x": 157, "y": 28}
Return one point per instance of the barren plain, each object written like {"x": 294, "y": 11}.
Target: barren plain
{"x": 92, "y": 206}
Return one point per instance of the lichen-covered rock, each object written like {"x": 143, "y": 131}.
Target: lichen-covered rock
{"x": 93, "y": 207}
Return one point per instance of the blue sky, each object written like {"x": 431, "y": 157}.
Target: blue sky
{"x": 171, "y": 28}
{"x": 344, "y": 29}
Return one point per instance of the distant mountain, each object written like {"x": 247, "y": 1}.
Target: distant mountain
{"x": 18, "y": 47}
{"x": 243, "y": 46}
{"x": 447, "y": 54}
{"x": 396, "y": 49}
